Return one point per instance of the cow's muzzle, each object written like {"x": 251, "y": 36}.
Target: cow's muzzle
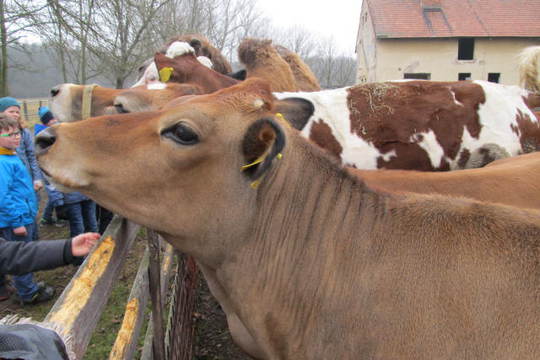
{"x": 44, "y": 140}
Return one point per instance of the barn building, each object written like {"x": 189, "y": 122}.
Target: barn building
{"x": 444, "y": 40}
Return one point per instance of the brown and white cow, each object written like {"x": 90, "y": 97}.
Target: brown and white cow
{"x": 311, "y": 263}
{"x": 421, "y": 125}
{"x": 148, "y": 72}
{"x": 183, "y": 67}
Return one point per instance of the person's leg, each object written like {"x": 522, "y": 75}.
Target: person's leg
{"x": 47, "y": 216}
{"x": 4, "y": 290}
{"x": 74, "y": 214}
{"x": 104, "y": 218}
{"x": 89, "y": 216}
{"x": 25, "y": 285}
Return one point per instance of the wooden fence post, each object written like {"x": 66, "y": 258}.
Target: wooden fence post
{"x": 158, "y": 344}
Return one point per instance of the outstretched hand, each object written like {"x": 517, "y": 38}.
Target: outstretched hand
{"x": 81, "y": 244}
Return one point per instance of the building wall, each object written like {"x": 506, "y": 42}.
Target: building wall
{"x": 366, "y": 49}
{"x": 438, "y": 57}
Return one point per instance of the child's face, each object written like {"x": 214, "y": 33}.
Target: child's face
{"x": 10, "y": 138}
{"x": 14, "y": 112}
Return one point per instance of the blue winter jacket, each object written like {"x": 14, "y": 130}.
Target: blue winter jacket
{"x": 27, "y": 155}
{"x": 18, "y": 204}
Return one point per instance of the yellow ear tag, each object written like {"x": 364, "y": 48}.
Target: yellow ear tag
{"x": 282, "y": 118}
{"x": 165, "y": 74}
{"x": 259, "y": 160}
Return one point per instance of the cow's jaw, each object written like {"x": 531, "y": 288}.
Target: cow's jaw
{"x": 61, "y": 103}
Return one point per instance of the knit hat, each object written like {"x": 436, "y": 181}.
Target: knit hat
{"x": 8, "y": 101}
{"x": 45, "y": 115}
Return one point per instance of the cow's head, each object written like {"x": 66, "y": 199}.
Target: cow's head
{"x": 175, "y": 170}
{"x": 201, "y": 48}
{"x": 70, "y": 102}
{"x": 180, "y": 65}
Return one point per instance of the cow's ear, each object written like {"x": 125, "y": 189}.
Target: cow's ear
{"x": 263, "y": 142}
{"x": 296, "y": 111}
{"x": 196, "y": 45}
{"x": 239, "y": 75}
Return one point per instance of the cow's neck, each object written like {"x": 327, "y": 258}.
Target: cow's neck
{"x": 310, "y": 213}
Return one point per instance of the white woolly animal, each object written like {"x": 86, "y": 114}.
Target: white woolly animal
{"x": 529, "y": 68}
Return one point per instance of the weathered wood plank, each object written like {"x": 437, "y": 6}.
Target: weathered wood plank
{"x": 167, "y": 270}
{"x": 128, "y": 335}
{"x": 182, "y": 332}
{"x": 158, "y": 343}
{"x": 78, "y": 309}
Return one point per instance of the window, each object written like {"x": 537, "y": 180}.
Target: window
{"x": 464, "y": 76}
{"x": 421, "y": 76}
{"x": 466, "y": 49}
{"x": 494, "y": 77}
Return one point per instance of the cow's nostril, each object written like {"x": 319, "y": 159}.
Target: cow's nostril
{"x": 44, "y": 140}
{"x": 55, "y": 90}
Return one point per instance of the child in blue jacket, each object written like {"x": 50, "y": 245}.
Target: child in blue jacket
{"x": 18, "y": 208}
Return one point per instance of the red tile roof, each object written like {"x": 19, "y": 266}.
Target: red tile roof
{"x": 455, "y": 18}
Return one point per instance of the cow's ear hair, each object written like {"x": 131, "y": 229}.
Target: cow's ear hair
{"x": 238, "y": 75}
{"x": 263, "y": 142}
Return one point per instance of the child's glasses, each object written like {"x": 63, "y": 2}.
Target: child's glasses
{"x": 13, "y": 134}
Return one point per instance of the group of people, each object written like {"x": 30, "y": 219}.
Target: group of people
{"x": 20, "y": 184}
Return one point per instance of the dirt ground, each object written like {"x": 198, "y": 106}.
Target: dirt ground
{"x": 212, "y": 342}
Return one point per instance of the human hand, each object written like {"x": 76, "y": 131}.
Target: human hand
{"x": 81, "y": 244}
{"x": 38, "y": 185}
{"x": 20, "y": 231}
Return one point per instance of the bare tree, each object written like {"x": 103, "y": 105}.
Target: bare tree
{"x": 15, "y": 22}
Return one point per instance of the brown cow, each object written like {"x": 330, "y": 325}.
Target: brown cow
{"x": 304, "y": 77}
{"x": 262, "y": 60}
{"x": 68, "y": 100}
{"x": 490, "y": 183}
{"x": 311, "y": 263}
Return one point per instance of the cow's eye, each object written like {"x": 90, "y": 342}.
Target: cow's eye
{"x": 120, "y": 109}
{"x": 181, "y": 133}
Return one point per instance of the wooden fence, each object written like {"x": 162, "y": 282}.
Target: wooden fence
{"x": 30, "y": 107}
{"x": 77, "y": 311}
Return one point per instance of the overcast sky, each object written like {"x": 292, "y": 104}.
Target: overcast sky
{"x": 338, "y": 18}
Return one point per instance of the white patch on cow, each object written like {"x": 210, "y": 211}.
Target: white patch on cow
{"x": 156, "y": 86}
{"x": 150, "y": 75}
{"x": 258, "y": 103}
{"x": 61, "y": 103}
{"x": 497, "y": 116}
{"x": 179, "y": 48}
{"x": 205, "y": 61}
{"x": 428, "y": 142}
{"x": 331, "y": 108}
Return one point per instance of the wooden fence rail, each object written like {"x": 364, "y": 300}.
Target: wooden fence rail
{"x": 78, "y": 309}
{"x": 76, "y": 312}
